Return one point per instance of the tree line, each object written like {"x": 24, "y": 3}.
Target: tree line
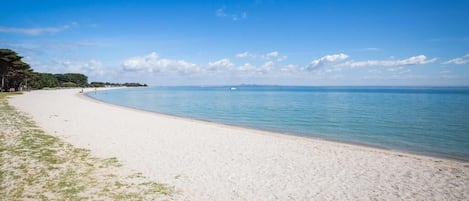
{"x": 49, "y": 80}
{"x": 17, "y": 75}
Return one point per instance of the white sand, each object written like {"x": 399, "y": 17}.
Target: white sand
{"x": 208, "y": 161}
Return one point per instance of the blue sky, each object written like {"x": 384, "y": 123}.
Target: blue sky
{"x": 252, "y": 42}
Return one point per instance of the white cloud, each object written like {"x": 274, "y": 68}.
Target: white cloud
{"x": 247, "y": 67}
{"x": 92, "y": 67}
{"x": 220, "y": 12}
{"x": 399, "y": 70}
{"x": 235, "y": 17}
{"x": 267, "y": 67}
{"x": 317, "y": 63}
{"x": 370, "y": 49}
{"x": 220, "y": 65}
{"x": 141, "y": 63}
{"x": 282, "y": 58}
{"x": 267, "y": 56}
{"x": 335, "y": 69}
{"x": 374, "y": 71}
{"x": 290, "y": 68}
{"x": 36, "y": 31}
{"x": 241, "y": 16}
{"x": 460, "y": 60}
{"x": 271, "y": 54}
{"x": 152, "y": 63}
{"x": 245, "y": 55}
{"x": 415, "y": 60}
{"x": 263, "y": 69}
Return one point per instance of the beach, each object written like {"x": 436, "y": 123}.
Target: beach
{"x": 210, "y": 161}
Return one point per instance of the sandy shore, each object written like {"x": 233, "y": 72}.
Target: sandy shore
{"x": 208, "y": 161}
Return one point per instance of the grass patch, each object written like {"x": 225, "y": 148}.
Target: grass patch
{"x": 37, "y": 166}
{"x": 108, "y": 162}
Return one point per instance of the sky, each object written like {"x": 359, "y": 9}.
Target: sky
{"x": 265, "y": 42}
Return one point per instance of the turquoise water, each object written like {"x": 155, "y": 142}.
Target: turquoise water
{"x": 425, "y": 120}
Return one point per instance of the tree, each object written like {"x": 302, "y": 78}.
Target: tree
{"x": 134, "y": 84}
{"x": 13, "y": 71}
{"x": 6, "y": 64}
{"x": 97, "y": 84}
{"x": 42, "y": 80}
{"x": 76, "y": 78}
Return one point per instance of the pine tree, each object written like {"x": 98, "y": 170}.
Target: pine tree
{"x": 13, "y": 71}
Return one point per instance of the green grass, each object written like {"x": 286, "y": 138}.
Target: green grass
{"x": 37, "y": 166}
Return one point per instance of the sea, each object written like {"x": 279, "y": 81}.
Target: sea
{"x": 422, "y": 120}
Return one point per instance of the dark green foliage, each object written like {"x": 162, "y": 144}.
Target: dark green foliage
{"x": 134, "y": 84}
{"x": 97, "y": 84}
{"x": 44, "y": 80}
{"x": 48, "y": 80}
{"x": 69, "y": 84}
{"x": 80, "y": 80}
{"x": 14, "y": 73}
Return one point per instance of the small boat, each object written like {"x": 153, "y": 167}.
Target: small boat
{"x": 233, "y": 88}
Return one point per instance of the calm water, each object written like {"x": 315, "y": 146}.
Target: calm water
{"x": 432, "y": 121}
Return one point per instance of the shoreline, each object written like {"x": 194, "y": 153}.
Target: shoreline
{"x": 211, "y": 161}
{"x": 280, "y": 134}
